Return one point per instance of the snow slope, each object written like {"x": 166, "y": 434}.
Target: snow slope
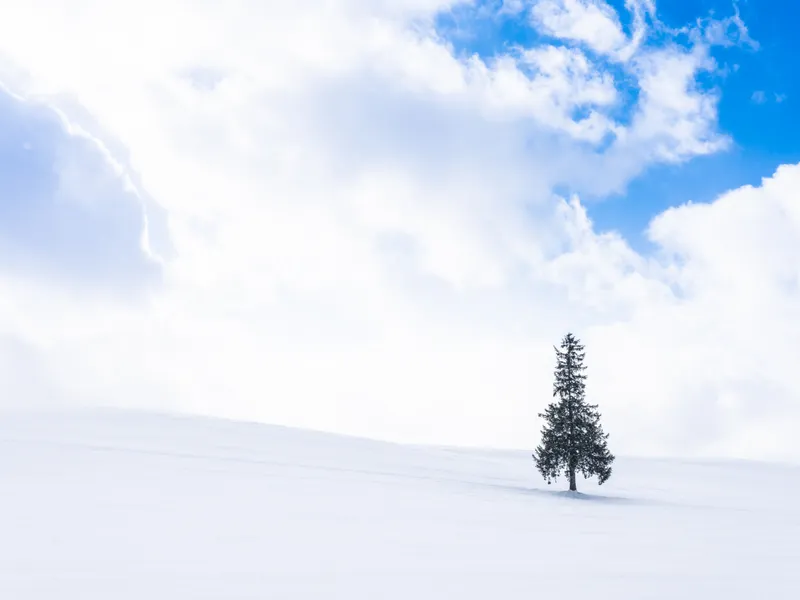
{"x": 118, "y": 506}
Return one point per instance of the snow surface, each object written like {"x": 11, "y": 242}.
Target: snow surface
{"x": 117, "y": 506}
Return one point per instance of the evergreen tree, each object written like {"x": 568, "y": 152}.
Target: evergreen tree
{"x": 572, "y": 437}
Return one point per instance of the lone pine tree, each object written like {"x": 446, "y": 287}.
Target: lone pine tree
{"x": 572, "y": 437}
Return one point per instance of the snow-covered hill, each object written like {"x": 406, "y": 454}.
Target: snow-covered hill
{"x": 128, "y": 506}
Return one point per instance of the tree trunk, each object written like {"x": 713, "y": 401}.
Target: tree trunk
{"x": 572, "y": 486}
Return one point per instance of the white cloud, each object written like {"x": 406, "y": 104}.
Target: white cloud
{"x": 591, "y": 22}
{"x": 676, "y": 118}
{"x": 595, "y": 23}
{"x": 723, "y": 344}
{"x": 363, "y": 227}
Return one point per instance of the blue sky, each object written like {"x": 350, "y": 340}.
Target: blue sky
{"x": 758, "y": 94}
{"x": 757, "y": 109}
{"x": 377, "y": 217}
{"x": 764, "y": 134}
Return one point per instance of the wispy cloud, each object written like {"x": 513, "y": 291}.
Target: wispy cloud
{"x": 728, "y": 31}
{"x": 761, "y": 97}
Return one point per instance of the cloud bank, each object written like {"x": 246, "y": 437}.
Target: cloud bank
{"x": 348, "y": 225}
